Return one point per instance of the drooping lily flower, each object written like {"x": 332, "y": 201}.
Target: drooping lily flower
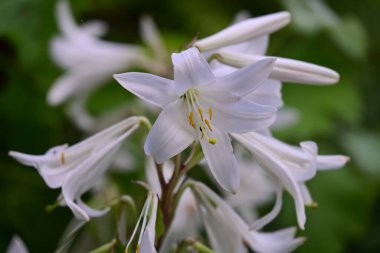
{"x": 246, "y": 42}
{"x": 227, "y": 232}
{"x": 75, "y": 169}
{"x": 87, "y": 60}
{"x": 148, "y": 218}
{"x": 197, "y": 106}
{"x": 17, "y": 246}
{"x": 290, "y": 166}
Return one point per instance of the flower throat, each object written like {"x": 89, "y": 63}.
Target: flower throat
{"x": 196, "y": 116}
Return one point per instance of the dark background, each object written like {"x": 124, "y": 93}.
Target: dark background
{"x": 342, "y": 119}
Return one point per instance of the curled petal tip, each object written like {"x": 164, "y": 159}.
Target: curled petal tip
{"x": 245, "y": 30}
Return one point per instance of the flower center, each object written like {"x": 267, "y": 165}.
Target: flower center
{"x": 196, "y": 117}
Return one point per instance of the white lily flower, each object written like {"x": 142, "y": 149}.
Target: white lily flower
{"x": 75, "y": 169}
{"x": 88, "y": 60}
{"x": 245, "y": 30}
{"x": 290, "y": 166}
{"x": 148, "y": 218}
{"x": 229, "y": 233}
{"x": 199, "y": 106}
{"x": 17, "y": 246}
{"x": 253, "y": 49}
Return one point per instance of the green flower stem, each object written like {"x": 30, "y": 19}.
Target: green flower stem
{"x": 105, "y": 248}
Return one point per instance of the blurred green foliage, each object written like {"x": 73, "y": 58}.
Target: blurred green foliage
{"x": 341, "y": 119}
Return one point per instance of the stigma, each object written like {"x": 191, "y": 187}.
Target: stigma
{"x": 197, "y": 118}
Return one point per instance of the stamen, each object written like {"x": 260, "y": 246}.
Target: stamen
{"x": 208, "y": 124}
{"x": 191, "y": 119}
{"x": 212, "y": 141}
{"x": 138, "y": 248}
{"x": 210, "y": 113}
{"x": 200, "y": 113}
{"x": 62, "y": 158}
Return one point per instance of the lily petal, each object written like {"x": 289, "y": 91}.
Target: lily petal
{"x": 268, "y": 93}
{"x": 221, "y": 160}
{"x": 245, "y": 80}
{"x": 245, "y": 30}
{"x": 170, "y": 133}
{"x": 151, "y": 88}
{"x": 242, "y": 116}
{"x": 331, "y": 162}
{"x": 190, "y": 69}
{"x": 260, "y": 223}
{"x": 284, "y": 69}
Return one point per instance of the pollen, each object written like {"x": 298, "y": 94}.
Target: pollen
{"x": 62, "y": 158}
{"x": 212, "y": 141}
{"x": 201, "y": 113}
{"x": 138, "y": 248}
{"x": 314, "y": 205}
{"x": 191, "y": 119}
{"x": 210, "y": 113}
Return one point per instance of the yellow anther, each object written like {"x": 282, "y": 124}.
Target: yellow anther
{"x": 200, "y": 113}
{"x": 212, "y": 141}
{"x": 191, "y": 119}
{"x": 314, "y": 205}
{"x": 62, "y": 158}
{"x": 138, "y": 248}
{"x": 208, "y": 124}
{"x": 210, "y": 112}
{"x": 126, "y": 251}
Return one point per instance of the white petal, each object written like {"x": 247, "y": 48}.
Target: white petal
{"x": 331, "y": 162}
{"x": 154, "y": 89}
{"x": 191, "y": 69}
{"x": 65, "y": 19}
{"x": 308, "y": 200}
{"x": 245, "y": 80}
{"x": 87, "y": 173}
{"x": 95, "y": 28}
{"x": 91, "y": 211}
{"x": 170, "y": 134}
{"x": 260, "y": 223}
{"x": 242, "y": 116}
{"x": 151, "y": 37}
{"x": 276, "y": 168}
{"x": 75, "y": 82}
{"x": 224, "y": 237}
{"x": 245, "y": 30}
{"x": 221, "y": 161}
{"x": 149, "y": 235}
{"x": 147, "y": 243}
{"x": 281, "y": 241}
{"x": 17, "y": 246}
{"x": 268, "y": 93}
{"x": 284, "y": 69}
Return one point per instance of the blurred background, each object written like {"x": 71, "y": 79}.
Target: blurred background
{"x": 342, "y": 119}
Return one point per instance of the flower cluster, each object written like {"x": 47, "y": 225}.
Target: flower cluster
{"x": 217, "y": 107}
